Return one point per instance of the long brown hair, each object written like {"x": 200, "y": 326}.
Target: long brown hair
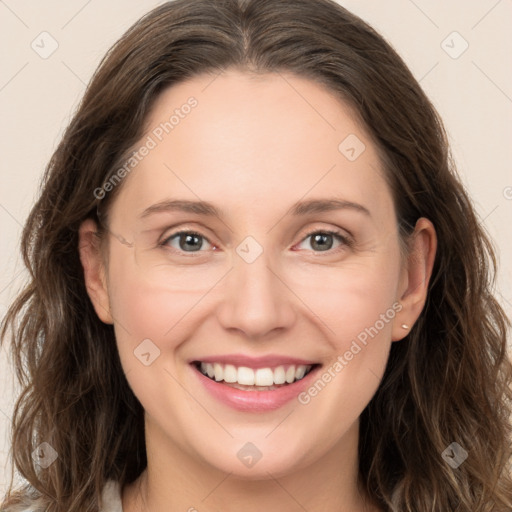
{"x": 448, "y": 381}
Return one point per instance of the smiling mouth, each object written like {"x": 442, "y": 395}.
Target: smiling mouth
{"x": 249, "y": 379}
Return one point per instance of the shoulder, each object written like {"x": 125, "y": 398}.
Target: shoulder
{"x": 111, "y": 501}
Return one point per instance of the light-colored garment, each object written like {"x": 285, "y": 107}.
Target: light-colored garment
{"x": 111, "y": 499}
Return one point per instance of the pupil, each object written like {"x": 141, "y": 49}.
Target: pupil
{"x": 190, "y": 242}
{"x": 323, "y": 242}
{"x": 320, "y": 241}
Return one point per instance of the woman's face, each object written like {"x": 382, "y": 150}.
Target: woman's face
{"x": 298, "y": 266}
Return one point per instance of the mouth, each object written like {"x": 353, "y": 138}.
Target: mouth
{"x": 254, "y": 379}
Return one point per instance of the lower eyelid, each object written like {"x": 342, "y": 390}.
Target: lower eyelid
{"x": 344, "y": 240}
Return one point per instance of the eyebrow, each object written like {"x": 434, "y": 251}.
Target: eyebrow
{"x": 300, "y": 208}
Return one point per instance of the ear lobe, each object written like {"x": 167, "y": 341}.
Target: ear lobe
{"x": 416, "y": 277}
{"x": 89, "y": 248}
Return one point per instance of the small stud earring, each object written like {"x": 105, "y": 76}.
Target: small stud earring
{"x": 405, "y": 326}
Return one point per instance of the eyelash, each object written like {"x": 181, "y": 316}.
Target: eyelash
{"x": 346, "y": 241}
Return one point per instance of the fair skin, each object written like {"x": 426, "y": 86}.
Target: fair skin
{"x": 253, "y": 147}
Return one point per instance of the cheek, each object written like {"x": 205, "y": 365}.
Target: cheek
{"x": 150, "y": 325}
{"x": 350, "y": 299}
{"x": 148, "y": 317}
{"x": 147, "y": 301}
{"x": 357, "y": 304}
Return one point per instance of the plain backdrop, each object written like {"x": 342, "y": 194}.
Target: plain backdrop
{"x": 458, "y": 50}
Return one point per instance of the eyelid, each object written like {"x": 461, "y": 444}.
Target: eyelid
{"x": 182, "y": 229}
{"x": 167, "y": 238}
{"x": 345, "y": 238}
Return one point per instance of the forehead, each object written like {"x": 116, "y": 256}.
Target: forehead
{"x": 246, "y": 141}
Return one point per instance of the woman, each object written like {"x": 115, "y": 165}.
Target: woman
{"x": 257, "y": 283}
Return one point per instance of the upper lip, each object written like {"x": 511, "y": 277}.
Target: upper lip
{"x": 270, "y": 360}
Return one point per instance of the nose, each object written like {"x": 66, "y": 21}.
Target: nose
{"x": 257, "y": 301}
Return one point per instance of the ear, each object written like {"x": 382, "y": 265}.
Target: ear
{"x": 94, "y": 269}
{"x": 415, "y": 277}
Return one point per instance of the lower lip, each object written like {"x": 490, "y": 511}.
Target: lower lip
{"x": 255, "y": 401}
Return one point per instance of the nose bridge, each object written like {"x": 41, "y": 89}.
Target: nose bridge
{"x": 255, "y": 277}
{"x": 256, "y": 301}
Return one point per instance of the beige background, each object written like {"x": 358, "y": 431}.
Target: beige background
{"x": 472, "y": 92}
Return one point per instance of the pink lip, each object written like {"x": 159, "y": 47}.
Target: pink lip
{"x": 270, "y": 360}
{"x": 255, "y": 401}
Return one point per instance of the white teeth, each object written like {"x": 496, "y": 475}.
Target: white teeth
{"x": 245, "y": 376}
{"x": 219, "y": 371}
{"x": 279, "y": 375}
{"x": 209, "y": 370}
{"x": 299, "y": 372}
{"x": 262, "y": 377}
{"x": 230, "y": 373}
{"x": 290, "y": 374}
